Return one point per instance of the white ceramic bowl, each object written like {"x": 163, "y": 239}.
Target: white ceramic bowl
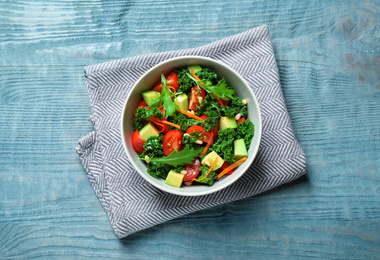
{"x": 147, "y": 81}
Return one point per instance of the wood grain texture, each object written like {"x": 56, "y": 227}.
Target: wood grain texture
{"x": 328, "y": 55}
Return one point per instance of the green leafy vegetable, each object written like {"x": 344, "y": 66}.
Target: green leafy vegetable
{"x": 158, "y": 170}
{"x": 185, "y": 156}
{"x": 165, "y": 98}
{"x": 245, "y": 131}
{"x": 208, "y": 75}
{"x": 211, "y": 108}
{"x": 224, "y": 144}
{"x": 234, "y": 107}
{"x": 211, "y": 177}
{"x": 221, "y": 90}
{"x": 184, "y": 121}
{"x": 189, "y": 141}
{"x": 142, "y": 115}
{"x": 185, "y": 83}
{"x": 153, "y": 147}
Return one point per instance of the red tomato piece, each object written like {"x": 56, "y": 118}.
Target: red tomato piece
{"x": 158, "y": 87}
{"x": 241, "y": 120}
{"x": 171, "y": 79}
{"x": 214, "y": 131}
{"x": 194, "y": 100}
{"x": 204, "y": 117}
{"x": 142, "y": 104}
{"x": 222, "y": 102}
{"x": 172, "y": 140}
{"x": 137, "y": 142}
{"x": 224, "y": 166}
{"x": 196, "y": 128}
{"x": 192, "y": 170}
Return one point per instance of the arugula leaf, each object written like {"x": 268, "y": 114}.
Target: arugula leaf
{"x": 221, "y": 90}
{"x": 185, "y": 156}
{"x": 165, "y": 98}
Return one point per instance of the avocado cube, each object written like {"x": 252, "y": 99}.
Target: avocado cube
{"x": 174, "y": 179}
{"x": 210, "y": 158}
{"x": 240, "y": 150}
{"x": 147, "y": 131}
{"x": 150, "y": 96}
{"x": 182, "y": 101}
{"x": 227, "y": 122}
{"x": 196, "y": 68}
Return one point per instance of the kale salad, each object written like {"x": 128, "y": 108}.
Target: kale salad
{"x": 191, "y": 127}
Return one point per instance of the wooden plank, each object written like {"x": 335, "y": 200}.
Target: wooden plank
{"x": 329, "y": 63}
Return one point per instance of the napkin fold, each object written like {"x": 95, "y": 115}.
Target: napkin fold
{"x": 132, "y": 204}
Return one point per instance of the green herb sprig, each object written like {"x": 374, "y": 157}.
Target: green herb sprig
{"x": 220, "y": 90}
{"x": 165, "y": 98}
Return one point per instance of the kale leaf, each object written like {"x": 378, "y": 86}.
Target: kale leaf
{"x": 184, "y": 121}
{"x": 185, "y": 83}
{"x": 224, "y": 144}
{"x": 234, "y": 107}
{"x": 245, "y": 130}
{"x": 158, "y": 170}
{"x": 189, "y": 141}
{"x": 211, "y": 177}
{"x": 208, "y": 75}
{"x": 153, "y": 147}
{"x": 142, "y": 116}
{"x": 211, "y": 108}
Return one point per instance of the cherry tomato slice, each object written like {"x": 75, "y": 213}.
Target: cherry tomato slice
{"x": 194, "y": 101}
{"x": 137, "y": 142}
{"x": 214, "y": 131}
{"x": 172, "y": 140}
{"x": 142, "y": 104}
{"x": 196, "y": 128}
{"x": 204, "y": 117}
{"x": 171, "y": 79}
{"x": 192, "y": 170}
{"x": 224, "y": 166}
{"x": 241, "y": 120}
{"x": 158, "y": 87}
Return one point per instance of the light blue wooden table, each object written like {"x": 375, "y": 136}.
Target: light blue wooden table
{"x": 328, "y": 54}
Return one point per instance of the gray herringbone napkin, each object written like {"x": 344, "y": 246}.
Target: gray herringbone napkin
{"x": 131, "y": 203}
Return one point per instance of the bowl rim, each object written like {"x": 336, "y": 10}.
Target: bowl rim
{"x": 244, "y": 167}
